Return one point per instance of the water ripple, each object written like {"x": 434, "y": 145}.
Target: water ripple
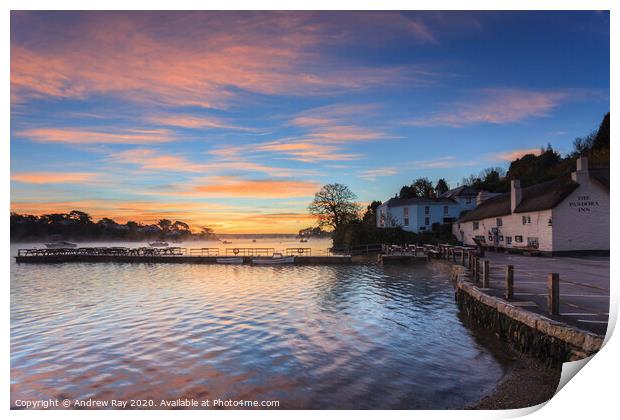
{"x": 309, "y": 336}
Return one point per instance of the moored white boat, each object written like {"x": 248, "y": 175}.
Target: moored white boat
{"x": 275, "y": 259}
{"x": 229, "y": 260}
{"x": 60, "y": 245}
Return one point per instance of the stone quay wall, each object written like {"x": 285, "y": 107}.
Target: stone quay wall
{"x": 550, "y": 341}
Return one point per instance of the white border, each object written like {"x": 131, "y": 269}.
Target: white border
{"x": 593, "y": 394}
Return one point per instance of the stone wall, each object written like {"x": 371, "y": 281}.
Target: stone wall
{"x": 550, "y": 341}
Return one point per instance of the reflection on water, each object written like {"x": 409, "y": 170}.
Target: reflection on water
{"x": 309, "y": 336}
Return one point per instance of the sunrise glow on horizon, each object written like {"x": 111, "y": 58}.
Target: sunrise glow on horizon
{"x": 233, "y": 120}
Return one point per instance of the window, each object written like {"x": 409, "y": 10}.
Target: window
{"x": 490, "y": 238}
{"x": 532, "y": 243}
{"x": 518, "y": 238}
{"x": 481, "y": 238}
{"x": 499, "y": 222}
{"x": 427, "y": 221}
{"x": 508, "y": 240}
{"x": 427, "y": 210}
{"x": 550, "y": 223}
{"x": 526, "y": 220}
{"x": 406, "y": 216}
{"x": 468, "y": 200}
{"x": 445, "y": 210}
{"x": 476, "y": 225}
{"x": 422, "y": 227}
{"x": 501, "y": 238}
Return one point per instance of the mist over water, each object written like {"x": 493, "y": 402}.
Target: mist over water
{"x": 341, "y": 336}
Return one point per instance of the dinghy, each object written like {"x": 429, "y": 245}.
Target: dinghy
{"x": 229, "y": 260}
{"x": 277, "y": 258}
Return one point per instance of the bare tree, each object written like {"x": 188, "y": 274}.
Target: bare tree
{"x": 334, "y": 205}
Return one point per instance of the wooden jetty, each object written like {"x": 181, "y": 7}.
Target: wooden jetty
{"x": 165, "y": 255}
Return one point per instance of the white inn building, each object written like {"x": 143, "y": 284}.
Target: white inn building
{"x": 420, "y": 213}
{"x": 566, "y": 215}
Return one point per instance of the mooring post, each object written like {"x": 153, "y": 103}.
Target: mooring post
{"x": 509, "y": 282}
{"x": 553, "y": 293}
{"x": 476, "y": 269}
{"x": 486, "y": 275}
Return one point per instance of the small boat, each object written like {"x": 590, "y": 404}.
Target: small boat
{"x": 303, "y": 240}
{"x": 226, "y": 242}
{"x": 253, "y": 240}
{"x": 229, "y": 260}
{"x": 60, "y": 245}
{"x": 277, "y": 258}
{"x": 158, "y": 244}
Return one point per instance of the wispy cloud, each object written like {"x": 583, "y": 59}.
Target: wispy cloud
{"x": 493, "y": 106}
{"x": 373, "y": 174}
{"x": 193, "y": 121}
{"x": 83, "y": 136}
{"x": 206, "y": 67}
{"x": 511, "y": 155}
{"x": 444, "y": 162}
{"x": 307, "y": 151}
{"x": 53, "y": 177}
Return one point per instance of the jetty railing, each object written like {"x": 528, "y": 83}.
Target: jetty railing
{"x": 102, "y": 251}
{"x": 299, "y": 251}
{"x": 250, "y": 252}
{"x": 356, "y": 250}
{"x": 204, "y": 252}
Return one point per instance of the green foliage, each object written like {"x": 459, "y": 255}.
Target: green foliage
{"x": 420, "y": 187}
{"x": 549, "y": 164}
{"x": 78, "y": 225}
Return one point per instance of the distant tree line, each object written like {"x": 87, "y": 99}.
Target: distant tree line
{"x": 78, "y": 225}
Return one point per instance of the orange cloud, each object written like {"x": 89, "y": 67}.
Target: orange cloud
{"x": 149, "y": 160}
{"x": 191, "y": 121}
{"x": 307, "y": 152}
{"x": 494, "y": 106}
{"x": 76, "y": 136}
{"x": 249, "y": 188}
{"x": 125, "y": 54}
{"x": 516, "y": 154}
{"x": 53, "y": 177}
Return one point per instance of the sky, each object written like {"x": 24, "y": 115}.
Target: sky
{"x": 233, "y": 120}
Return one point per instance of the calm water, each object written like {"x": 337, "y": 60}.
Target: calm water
{"x": 359, "y": 336}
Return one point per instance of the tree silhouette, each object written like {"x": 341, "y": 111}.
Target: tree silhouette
{"x": 334, "y": 205}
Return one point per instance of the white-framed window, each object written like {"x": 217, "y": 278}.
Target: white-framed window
{"x": 508, "y": 240}
{"x": 446, "y": 210}
{"x": 532, "y": 243}
{"x": 476, "y": 225}
{"x": 499, "y": 222}
{"x": 427, "y": 210}
{"x": 518, "y": 238}
{"x": 526, "y": 220}
{"x": 427, "y": 221}
{"x": 406, "y": 216}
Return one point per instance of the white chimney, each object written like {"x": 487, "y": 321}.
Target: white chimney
{"x": 581, "y": 173}
{"x": 482, "y": 196}
{"x": 515, "y": 194}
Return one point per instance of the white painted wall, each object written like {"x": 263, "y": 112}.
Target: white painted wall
{"x": 581, "y": 221}
{"x": 512, "y": 225}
